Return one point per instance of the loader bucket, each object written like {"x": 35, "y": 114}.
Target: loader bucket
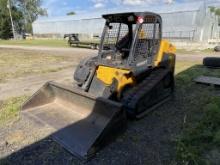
{"x": 82, "y": 122}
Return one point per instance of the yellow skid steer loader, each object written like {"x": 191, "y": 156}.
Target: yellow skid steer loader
{"x": 132, "y": 74}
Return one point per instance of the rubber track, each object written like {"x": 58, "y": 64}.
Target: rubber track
{"x": 135, "y": 94}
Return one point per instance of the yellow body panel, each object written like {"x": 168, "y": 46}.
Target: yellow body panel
{"x": 165, "y": 47}
{"x": 107, "y": 74}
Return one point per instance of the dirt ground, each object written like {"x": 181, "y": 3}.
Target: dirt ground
{"x": 147, "y": 141}
{"x": 24, "y": 69}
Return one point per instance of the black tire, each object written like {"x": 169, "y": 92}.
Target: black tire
{"x": 213, "y": 62}
{"x": 217, "y": 49}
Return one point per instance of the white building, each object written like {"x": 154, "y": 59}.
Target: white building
{"x": 186, "y": 21}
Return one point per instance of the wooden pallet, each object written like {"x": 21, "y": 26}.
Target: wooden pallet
{"x": 208, "y": 80}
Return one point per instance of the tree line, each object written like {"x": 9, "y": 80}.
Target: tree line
{"x": 23, "y": 13}
{"x": 215, "y": 10}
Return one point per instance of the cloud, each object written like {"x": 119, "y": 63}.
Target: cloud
{"x": 99, "y": 5}
{"x": 169, "y": 1}
{"x": 137, "y": 2}
{"x": 58, "y": 7}
{"x": 103, "y": 3}
{"x": 140, "y": 2}
{"x": 143, "y": 2}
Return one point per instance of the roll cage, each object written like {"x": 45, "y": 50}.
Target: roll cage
{"x": 130, "y": 39}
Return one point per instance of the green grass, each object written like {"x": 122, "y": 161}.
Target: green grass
{"x": 9, "y": 109}
{"x": 201, "y": 130}
{"x": 184, "y": 65}
{"x": 185, "y": 78}
{"x": 18, "y": 63}
{"x": 202, "y": 137}
{"x": 36, "y": 42}
{"x": 61, "y": 43}
{"x": 184, "y": 51}
{"x": 208, "y": 50}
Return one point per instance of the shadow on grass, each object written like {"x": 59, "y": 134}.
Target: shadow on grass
{"x": 90, "y": 132}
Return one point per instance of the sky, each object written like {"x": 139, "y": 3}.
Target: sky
{"x": 62, "y": 7}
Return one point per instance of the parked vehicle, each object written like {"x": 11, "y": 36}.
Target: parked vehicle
{"x": 73, "y": 40}
{"x": 132, "y": 74}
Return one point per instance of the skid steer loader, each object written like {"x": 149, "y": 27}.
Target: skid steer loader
{"x": 132, "y": 74}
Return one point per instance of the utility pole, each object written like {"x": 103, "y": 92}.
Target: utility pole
{"x": 12, "y": 24}
{"x": 205, "y": 4}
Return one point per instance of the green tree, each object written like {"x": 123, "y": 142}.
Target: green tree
{"x": 71, "y": 13}
{"x": 5, "y": 23}
{"x": 212, "y": 9}
{"x": 24, "y": 13}
{"x": 215, "y": 10}
{"x": 31, "y": 10}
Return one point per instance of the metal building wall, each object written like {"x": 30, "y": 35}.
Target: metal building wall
{"x": 58, "y": 28}
{"x": 173, "y": 26}
{"x": 180, "y": 25}
{"x": 210, "y": 27}
{"x": 187, "y": 24}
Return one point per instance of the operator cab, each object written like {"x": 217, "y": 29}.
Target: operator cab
{"x": 130, "y": 39}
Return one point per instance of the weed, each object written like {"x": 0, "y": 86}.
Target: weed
{"x": 197, "y": 139}
{"x": 9, "y": 109}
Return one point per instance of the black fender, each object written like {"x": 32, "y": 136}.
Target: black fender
{"x": 168, "y": 61}
{"x": 84, "y": 69}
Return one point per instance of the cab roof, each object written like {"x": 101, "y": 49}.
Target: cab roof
{"x": 124, "y": 17}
